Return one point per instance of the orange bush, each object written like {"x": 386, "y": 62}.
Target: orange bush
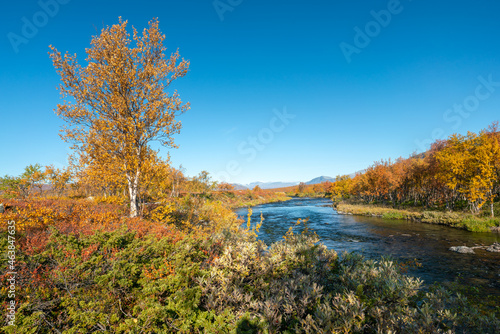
{"x": 35, "y": 216}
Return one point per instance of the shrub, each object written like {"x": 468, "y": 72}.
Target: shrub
{"x": 114, "y": 274}
{"x": 114, "y": 281}
{"x": 299, "y": 286}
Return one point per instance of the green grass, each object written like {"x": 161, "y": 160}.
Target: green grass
{"x": 243, "y": 201}
{"x": 461, "y": 220}
{"x": 393, "y": 215}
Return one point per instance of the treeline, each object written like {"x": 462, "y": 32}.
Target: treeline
{"x": 160, "y": 180}
{"x": 163, "y": 188}
{"x": 307, "y": 190}
{"x": 460, "y": 172}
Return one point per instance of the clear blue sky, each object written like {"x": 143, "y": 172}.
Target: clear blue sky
{"x": 397, "y": 91}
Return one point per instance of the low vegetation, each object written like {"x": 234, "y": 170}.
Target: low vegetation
{"x": 85, "y": 266}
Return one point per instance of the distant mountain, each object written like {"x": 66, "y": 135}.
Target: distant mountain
{"x": 238, "y": 186}
{"x": 358, "y": 172}
{"x": 321, "y": 179}
{"x": 263, "y": 185}
{"x": 271, "y": 185}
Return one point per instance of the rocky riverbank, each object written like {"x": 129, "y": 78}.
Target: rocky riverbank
{"x": 494, "y": 248}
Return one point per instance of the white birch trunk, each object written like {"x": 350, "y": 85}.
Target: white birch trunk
{"x": 133, "y": 186}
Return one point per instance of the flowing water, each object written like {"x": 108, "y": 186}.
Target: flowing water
{"x": 375, "y": 237}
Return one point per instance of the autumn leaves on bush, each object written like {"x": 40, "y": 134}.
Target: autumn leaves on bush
{"x": 85, "y": 267}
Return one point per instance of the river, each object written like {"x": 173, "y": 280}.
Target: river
{"x": 401, "y": 240}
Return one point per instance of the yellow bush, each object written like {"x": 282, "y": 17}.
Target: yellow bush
{"x": 164, "y": 212}
{"x": 110, "y": 199}
{"x": 216, "y": 216}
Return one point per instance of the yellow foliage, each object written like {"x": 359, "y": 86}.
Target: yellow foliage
{"x": 120, "y": 104}
{"x": 216, "y": 217}
{"x": 111, "y": 199}
{"x": 468, "y": 166}
{"x": 255, "y": 230}
{"x": 163, "y": 212}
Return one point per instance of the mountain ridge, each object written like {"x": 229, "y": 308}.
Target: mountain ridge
{"x": 273, "y": 185}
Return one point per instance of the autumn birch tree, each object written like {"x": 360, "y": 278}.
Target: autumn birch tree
{"x": 468, "y": 166}
{"x": 119, "y": 103}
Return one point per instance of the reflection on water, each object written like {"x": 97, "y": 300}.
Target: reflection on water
{"x": 375, "y": 237}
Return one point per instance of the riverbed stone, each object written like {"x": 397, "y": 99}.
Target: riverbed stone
{"x": 494, "y": 248}
{"x": 462, "y": 249}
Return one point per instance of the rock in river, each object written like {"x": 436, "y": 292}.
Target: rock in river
{"x": 494, "y": 248}
{"x": 462, "y": 249}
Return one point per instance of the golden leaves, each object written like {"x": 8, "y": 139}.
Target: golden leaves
{"x": 120, "y": 103}
{"x": 468, "y": 166}
{"x": 462, "y": 168}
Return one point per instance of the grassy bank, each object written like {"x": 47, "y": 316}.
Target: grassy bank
{"x": 460, "y": 220}
{"x": 250, "y": 198}
{"x": 311, "y": 195}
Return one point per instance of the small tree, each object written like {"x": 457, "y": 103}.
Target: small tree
{"x": 225, "y": 187}
{"x": 341, "y": 188}
{"x": 32, "y": 178}
{"x": 25, "y": 184}
{"x": 203, "y": 183}
{"x": 120, "y": 105}
{"x": 9, "y": 186}
{"x": 59, "y": 179}
{"x": 257, "y": 189}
